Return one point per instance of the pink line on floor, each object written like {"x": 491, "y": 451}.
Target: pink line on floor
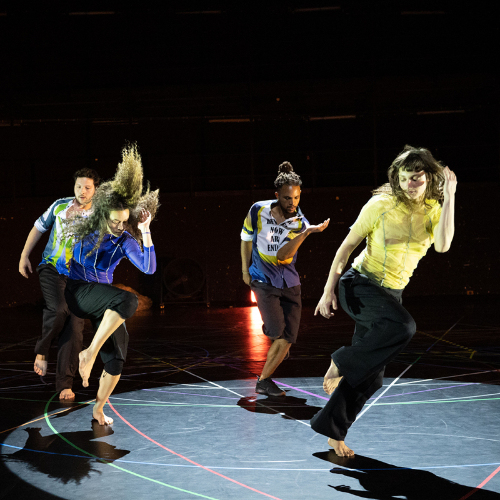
{"x": 187, "y": 459}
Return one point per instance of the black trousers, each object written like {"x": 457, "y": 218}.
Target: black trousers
{"x": 383, "y": 329}
{"x": 90, "y": 301}
{"x": 58, "y": 321}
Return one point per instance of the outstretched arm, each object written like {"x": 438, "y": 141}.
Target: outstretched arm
{"x": 341, "y": 257}
{"x": 31, "y": 241}
{"x": 445, "y": 230}
{"x": 290, "y": 249}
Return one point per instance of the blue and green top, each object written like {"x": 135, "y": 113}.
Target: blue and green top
{"x": 58, "y": 251}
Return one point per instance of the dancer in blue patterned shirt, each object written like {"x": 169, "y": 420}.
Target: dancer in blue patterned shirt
{"x": 119, "y": 223}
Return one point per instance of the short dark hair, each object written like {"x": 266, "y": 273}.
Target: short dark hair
{"x": 89, "y": 173}
{"x": 286, "y": 175}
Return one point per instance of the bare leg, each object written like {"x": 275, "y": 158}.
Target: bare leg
{"x": 110, "y": 322}
{"x": 106, "y": 385}
{"x": 40, "y": 365}
{"x": 331, "y": 380}
{"x": 275, "y": 356}
{"x": 66, "y": 394}
{"x": 340, "y": 448}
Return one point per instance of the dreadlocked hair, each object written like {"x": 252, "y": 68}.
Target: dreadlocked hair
{"x": 286, "y": 175}
{"x": 123, "y": 192}
{"x": 414, "y": 160}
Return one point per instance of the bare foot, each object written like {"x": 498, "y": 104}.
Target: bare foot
{"x": 40, "y": 365}
{"x": 332, "y": 378}
{"x": 86, "y": 364}
{"x": 340, "y": 448}
{"x": 66, "y": 394}
{"x": 101, "y": 418}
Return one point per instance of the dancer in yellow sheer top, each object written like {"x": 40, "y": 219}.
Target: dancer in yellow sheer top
{"x": 400, "y": 222}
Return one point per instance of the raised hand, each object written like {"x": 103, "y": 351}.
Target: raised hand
{"x": 319, "y": 228}
{"x": 450, "y": 183}
{"x": 145, "y": 220}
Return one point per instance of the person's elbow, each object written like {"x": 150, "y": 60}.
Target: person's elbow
{"x": 281, "y": 255}
{"x": 441, "y": 248}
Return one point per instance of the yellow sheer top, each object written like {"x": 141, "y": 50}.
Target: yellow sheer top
{"x": 396, "y": 239}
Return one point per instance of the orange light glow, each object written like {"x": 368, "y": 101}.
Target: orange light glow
{"x": 253, "y": 300}
{"x": 255, "y": 321}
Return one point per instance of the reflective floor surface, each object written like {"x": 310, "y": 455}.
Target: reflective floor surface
{"x": 188, "y": 424}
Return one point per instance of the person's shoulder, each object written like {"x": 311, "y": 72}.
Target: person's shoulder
{"x": 126, "y": 237}
{"x": 435, "y": 207}
{"x": 67, "y": 199}
{"x": 258, "y": 205}
{"x": 263, "y": 203}
{"x": 302, "y": 216}
{"x": 381, "y": 201}
{"x": 59, "y": 202}
{"x": 433, "y": 203}
{"x": 62, "y": 203}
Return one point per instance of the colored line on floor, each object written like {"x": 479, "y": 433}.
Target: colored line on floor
{"x": 479, "y": 486}
{"x": 420, "y": 381}
{"x": 437, "y": 401}
{"x": 187, "y": 459}
{"x": 188, "y": 394}
{"x": 386, "y": 389}
{"x": 41, "y": 418}
{"x": 439, "y": 339}
{"x": 305, "y": 392}
{"x": 46, "y": 416}
{"x": 427, "y": 390}
{"x": 327, "y": 469}
{"x": 18, "y": 343}
{"x": 215, "y": 384}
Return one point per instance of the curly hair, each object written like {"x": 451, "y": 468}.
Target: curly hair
{"x": 414, "y": 160}
{"x": 123, "y": 192}
{"x": 286, "y": 175}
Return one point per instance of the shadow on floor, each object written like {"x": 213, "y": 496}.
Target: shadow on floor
{"x": 288, "y": 407}
{"x": 53, "y": 456}
{"x": 383, "y": 481}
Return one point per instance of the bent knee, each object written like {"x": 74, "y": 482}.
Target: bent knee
{"x": 114, "y": 367}
{"x": 128, "y": 305}
{"x": 409, "y": 328}
{"x": 60, "y": 310}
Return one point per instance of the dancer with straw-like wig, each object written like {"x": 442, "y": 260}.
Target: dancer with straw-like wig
{"x": 415, "y": 209}
{"x": 117, "y": 227}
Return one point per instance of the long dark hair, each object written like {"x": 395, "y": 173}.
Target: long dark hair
{"x": 414, "y": 160}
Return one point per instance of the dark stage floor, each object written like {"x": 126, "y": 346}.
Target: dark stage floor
{"x": 188, "y": 424}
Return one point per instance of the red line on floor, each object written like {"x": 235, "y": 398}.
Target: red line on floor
{"x": 478, "y": 487}
{"x": 187, "y": 459}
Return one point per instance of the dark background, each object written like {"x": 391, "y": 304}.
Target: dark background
{"x": 217, "y": 94}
